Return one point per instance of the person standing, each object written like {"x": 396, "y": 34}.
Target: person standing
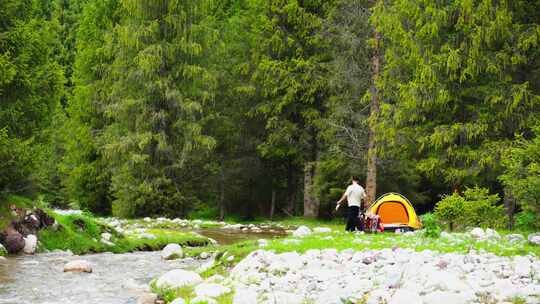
{"x": 354, "y": 195}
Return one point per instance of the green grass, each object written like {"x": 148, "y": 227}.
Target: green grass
{"x": 81, "y": 234}
{"x": 342, "y": 240}
{"x": 187, "y": 293}
{"x": 5, "y": 213}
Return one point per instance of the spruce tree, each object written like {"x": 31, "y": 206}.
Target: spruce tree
{"x": 158, "y": 93}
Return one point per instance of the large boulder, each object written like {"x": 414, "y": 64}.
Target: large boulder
{"x": 30, "y": 244}
{"x": 178, "y": 278}
{"x": 14, "y": 241}
{"x": 244, "y": 296}
{"x": 78, "y": 266}
{"x": 302, "y": 231}
{"x": 172, "y": 251}
{"x": 534, "y": 238}
{"x": 211, "y": 290}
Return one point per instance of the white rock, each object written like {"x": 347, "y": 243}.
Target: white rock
{"x": 302, "y": 231}
{"x": 492, "y": 234}
{"x": 178, "y": 301}
{"x": 172, "y": 251}
{"x": 147, "y": 236}
{"x": 291, "y": 241}
{"x": 404, "y": 296}
{"x": 284, "y": 298}
{"x": 147, "y": 298}
{"x": 534, "y": 238}
{"x": 322, "y": 230}
{"x": 178, "y": 278}
{"x": 215, "y": 278}
{"x": 262, "y": 242}
{"x": 478, "y": 233}
{"x": 106, "y": 236}
{"x": 515, "y": 238}
{"x": 522, "y": 266}
{"x": 230, "y": 258}
{"x": 245, "y": 296}
{"x": 78, "y": 266}
{"x": 378, "y": 296}
{"x": 202, "y": 300}
{"x": 445, "y": 297}
{"x": 30, "y": 244}
{"x": 204, "y": 255}
{"x": 211, "y": 290}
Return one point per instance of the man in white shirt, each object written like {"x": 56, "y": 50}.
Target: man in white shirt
{"x": 355, "y": 194}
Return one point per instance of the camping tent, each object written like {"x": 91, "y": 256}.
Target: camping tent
{"x": 395, "y": 211}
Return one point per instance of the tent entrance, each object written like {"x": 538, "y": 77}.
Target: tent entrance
{"x": 393, "y": 212}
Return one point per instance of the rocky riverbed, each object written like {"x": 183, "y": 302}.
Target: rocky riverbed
{"x": 115, "y": 278}
{"x": 390, "y": 276}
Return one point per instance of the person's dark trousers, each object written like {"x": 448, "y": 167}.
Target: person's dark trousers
{"x": 352, "y": 218}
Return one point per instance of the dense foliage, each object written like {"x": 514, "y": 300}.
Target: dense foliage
{"x": 256, "y": 107}
{"x": 475, "y": 208}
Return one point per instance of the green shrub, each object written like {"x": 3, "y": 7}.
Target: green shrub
{"x": 450, "y": 209}
{"x": 431, "y": 225}
{"x": 481, "y": 209}
{"x": 204, "y": 212}
{"x": 475, "y": 208}
{"x": 527, "y": 220}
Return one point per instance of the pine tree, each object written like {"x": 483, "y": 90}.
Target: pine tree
{"x": 158, "y": 93}
{"x": 458, "y": 83}
{"x": 290, "y": 76}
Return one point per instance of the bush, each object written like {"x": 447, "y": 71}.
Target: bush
{"x": 527, "y": 220}
{"x": 431, "y": 225}
{"x": 475, "y": 208}
{"x": 481, "y": 209}
{"x": 450, "y": 209}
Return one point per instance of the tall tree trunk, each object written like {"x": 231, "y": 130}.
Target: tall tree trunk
{"x": 291, "y": 191}
{"x": 222, "y": 208}
{"x": 311, "y": 203}
{"x": 371, "y": 177}
{"x": 273, "y": 203}
{"x": 510, "y": 205}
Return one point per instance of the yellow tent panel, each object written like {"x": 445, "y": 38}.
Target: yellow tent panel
{"x": 395, "y": 211}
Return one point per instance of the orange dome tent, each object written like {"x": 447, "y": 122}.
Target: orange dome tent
{"x": 395, "y": 211}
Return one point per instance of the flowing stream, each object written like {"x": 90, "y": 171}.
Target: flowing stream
{"x": 116, "y": 278}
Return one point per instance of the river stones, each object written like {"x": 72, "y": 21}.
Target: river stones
{"x": 211, "y": 290}
{"x": 245, "y": 296}
{"x": 534, "y": 238}
{"x": 302, "y": 231}
{"x": 515, "y": 238}
{"x": 178, "y": 301}
{"x": 30, "y": 244}
{"x": 171, "y": 252}
{"x": 322, "y": 230}
{"x": 78, "y": 266}
{"x": 147, "y": 298}
{"x": 14, "y": 241}
{"x": 178, "y": 278}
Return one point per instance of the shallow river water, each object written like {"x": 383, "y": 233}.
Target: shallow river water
{"x": 116, "y": 278}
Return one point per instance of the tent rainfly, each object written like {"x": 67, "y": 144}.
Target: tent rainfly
{"x": 395, "y": 212}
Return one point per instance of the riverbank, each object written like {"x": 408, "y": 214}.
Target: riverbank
{"x": 330, "y": 246}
